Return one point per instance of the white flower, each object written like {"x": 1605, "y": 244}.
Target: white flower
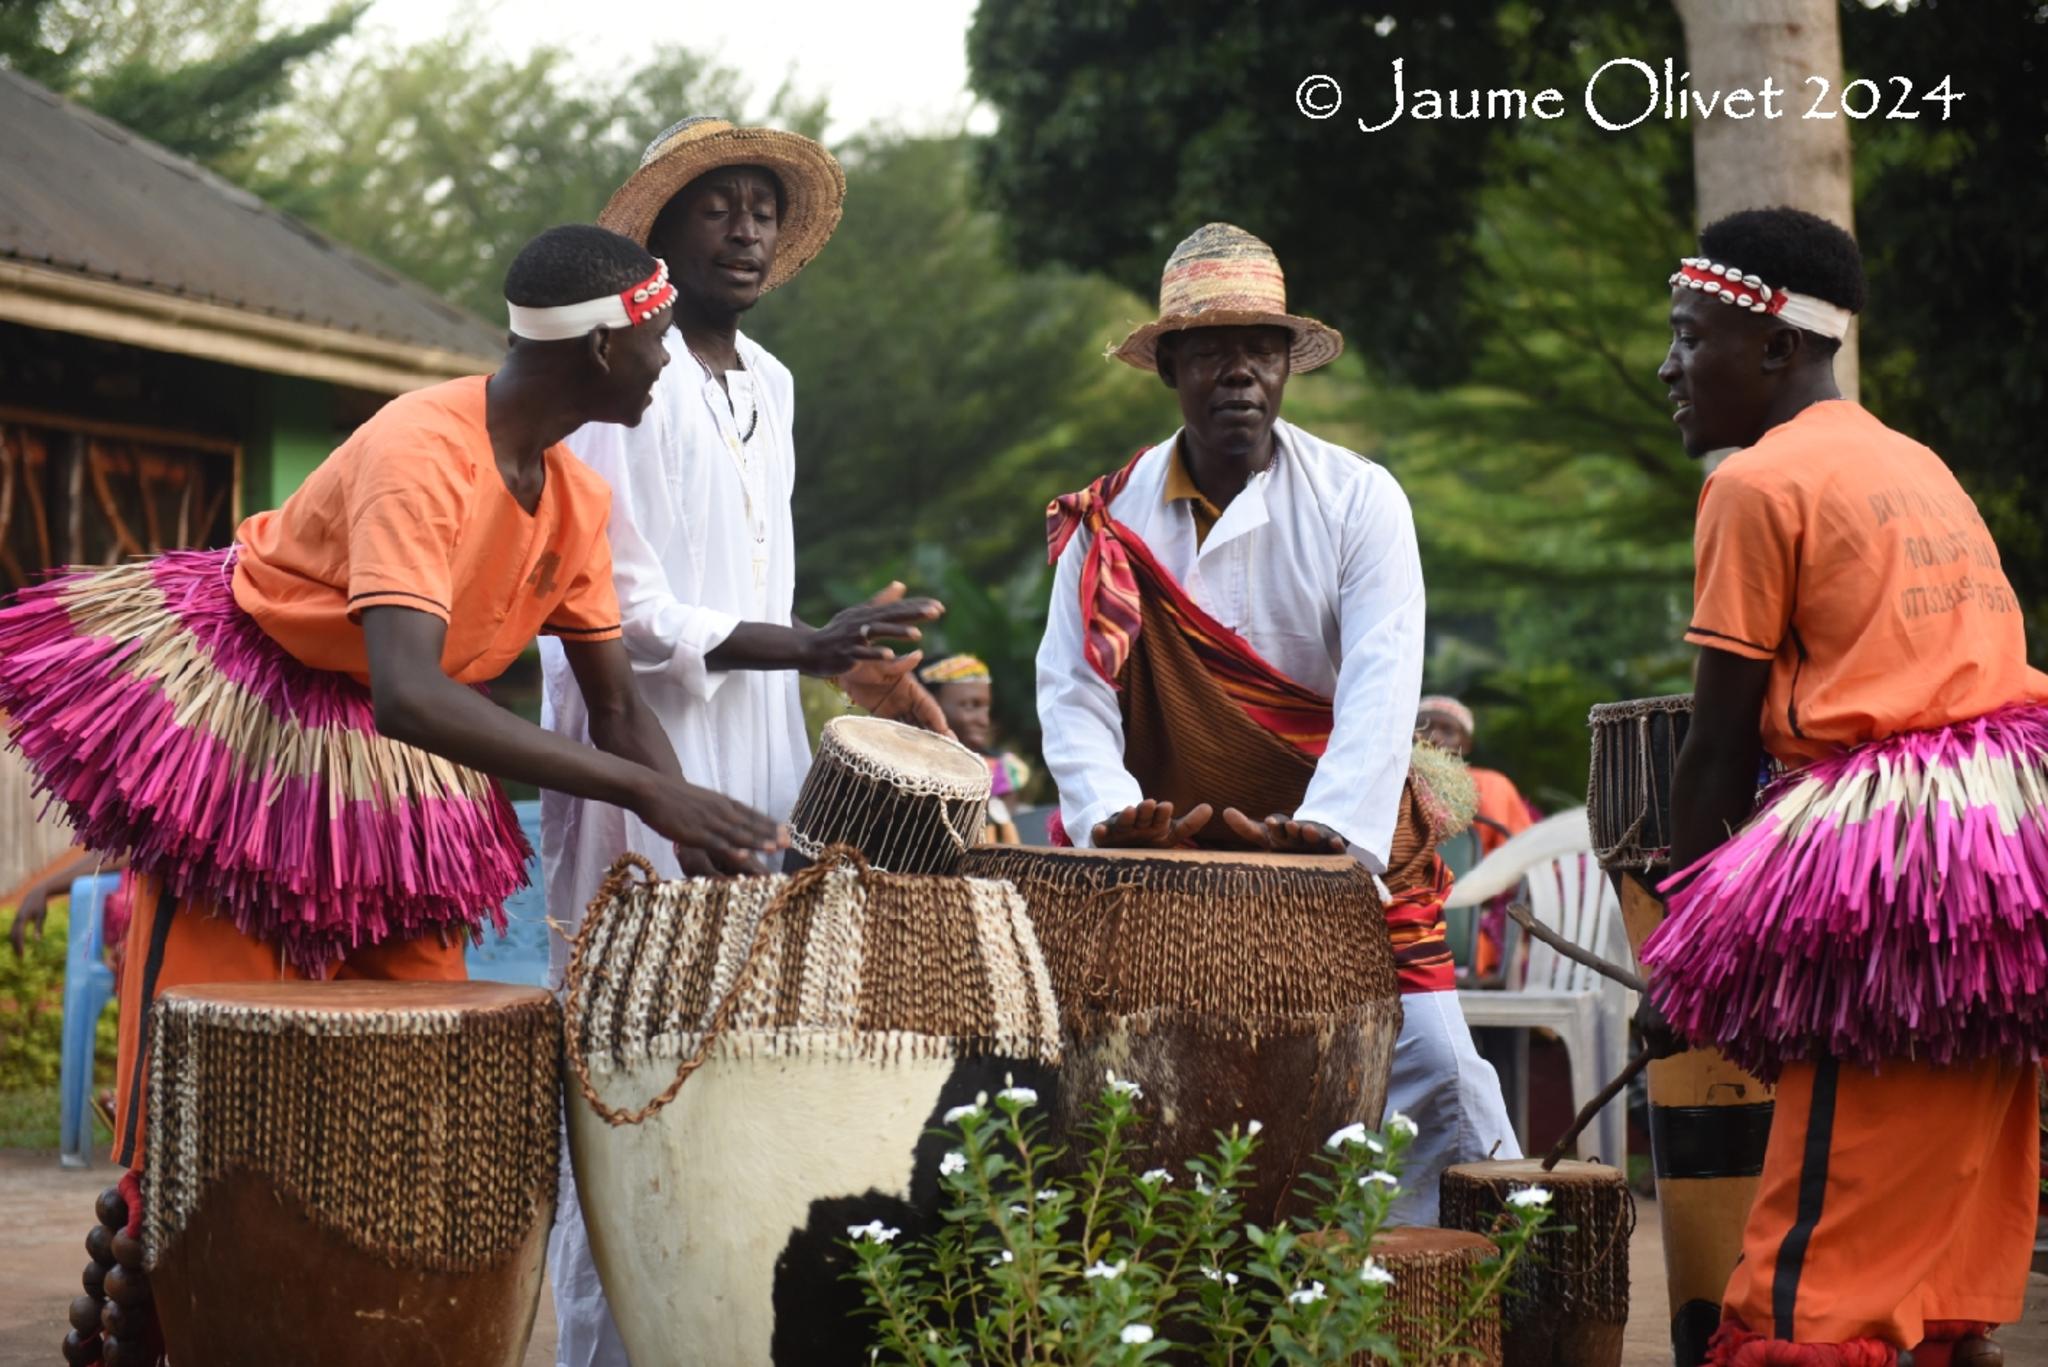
{"x": 1218, "y": 1275}
{"x": 1153, "y": 1176}
{"x": 1004, "y": 1257}
{"x": 954, "y": 1162}
{"x": 1310, "y": 1296}
{"x": 1254, "y": 1127}
{"x": 1023, "y": 1096}
{"x": 1381, "y": 1176}
{"x": 1136, "y": 1333}
{"x": 960, "y": 1113}
{"x": 1106, "y": 1271}
{"x": 1399, "y": 1124}
{"x": 1048, "y": 1193}
{"x": 1020, "y": 1210}
{"x": 1529, "y": 1196}
{"x": 1374, "y": 1145}
{"x": 1372, "y": 1274}
{"x": 1123, "y": 1086}
{"x": 1354, "y": 1133}
{"x": 1202, "y": 1187}
{"x": 874, "y": 1231}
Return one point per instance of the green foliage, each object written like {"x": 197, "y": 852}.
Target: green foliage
{"x": 32, "y": 1006}
{"x": 1107, "y": 1264}
{"x": 193, "y": 75}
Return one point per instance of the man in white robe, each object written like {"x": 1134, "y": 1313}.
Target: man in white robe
{"x": 1304, "y": 555}
{"x": 704, "y": 558}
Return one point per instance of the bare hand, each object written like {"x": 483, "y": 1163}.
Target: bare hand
{"x": 1284, "y": 835}
{"x": 712, "y": 833}
{"x": 30, "y": 914}
{"x": 851, "y": 637}
{"x": 1150, "y": 824}
{"x": 888, "y": 688}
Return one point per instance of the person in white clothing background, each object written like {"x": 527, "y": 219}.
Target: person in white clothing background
{"x": 1233, "y": 656}
{"x": 704, "y": 557}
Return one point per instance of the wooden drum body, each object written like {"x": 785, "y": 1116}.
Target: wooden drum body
{"x": 1432, "y": 1269}
{"x": 1709, "y": 1120}
{"x": 1229, "y": 987}
{"x": 1567, "y": 1301}
{"x": 908, "y": 800}
{"x": 351, "y": 1174}
{"x": 873, "y": 1004}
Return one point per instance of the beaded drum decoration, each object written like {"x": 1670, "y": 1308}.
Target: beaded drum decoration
{"x": 1628, "y": 789}
{"x": 761, "y": 1063}
{"x": 1230, "y": 987}
{"x": 338, "y": 1170}
{"x": 1567, "y": 1302}
{"x": 908, "y": 800}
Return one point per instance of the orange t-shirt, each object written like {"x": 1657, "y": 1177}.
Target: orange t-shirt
{"x": 1848, "y": 556}
{"x": 412, "y": 512}
{"x": 1501, "y": 804}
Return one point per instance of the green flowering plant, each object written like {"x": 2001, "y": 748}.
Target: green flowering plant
{"x": 1121, "y": 1263}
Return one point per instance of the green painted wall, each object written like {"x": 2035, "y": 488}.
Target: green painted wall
{"x": 292, "y": 430}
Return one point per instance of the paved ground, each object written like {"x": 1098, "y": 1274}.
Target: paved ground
{"x": 45, "y": 1211}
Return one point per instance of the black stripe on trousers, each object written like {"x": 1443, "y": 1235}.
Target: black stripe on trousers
{"x": 152, "y": 968}
{"x": 1813, "y": 1186}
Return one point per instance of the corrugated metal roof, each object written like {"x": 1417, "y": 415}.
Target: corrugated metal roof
{"x": 81, "y": 193}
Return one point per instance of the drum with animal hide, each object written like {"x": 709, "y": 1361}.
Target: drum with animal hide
{"x": 908, "y": 800}
{"x": 1567, "y": 1297}
{"x": 761, "y": 1065}
{"x": 1628, "y": 786}
{"x": 351, "y": 1174}
{"x": 1229, "y": 987}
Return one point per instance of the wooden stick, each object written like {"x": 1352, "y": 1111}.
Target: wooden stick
{"x": 1572, "y": 951}
{"x": 1593, "y": 1108}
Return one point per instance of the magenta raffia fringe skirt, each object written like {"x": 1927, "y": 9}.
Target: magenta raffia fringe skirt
{"x": 170, "y": 728}
{"x": 1890, "y": 902}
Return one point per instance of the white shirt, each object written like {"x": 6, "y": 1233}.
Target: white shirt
{"x": 701, "y": 540}
{"x": 1315, "y": 565}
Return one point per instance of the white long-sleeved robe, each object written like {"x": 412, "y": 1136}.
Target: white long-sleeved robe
{"x": 701, "y": 541}
{"x": 1315, "y": 564}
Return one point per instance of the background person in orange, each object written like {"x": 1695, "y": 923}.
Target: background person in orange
{"x": 1872, "y": 938}
{"x": 1503, "y": 812}
{"x": 283, "y": 736}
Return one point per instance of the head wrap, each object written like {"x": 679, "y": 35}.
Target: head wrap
{"x": 1732, "y": 286}
{"x": 954, "y": 669}
{"x": 630, "y": 307}
{"x": 1450, "y": 708}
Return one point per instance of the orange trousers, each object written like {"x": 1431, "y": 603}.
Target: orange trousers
{"x": 180, "y": 945}
{"x": 1889, "y": 1200}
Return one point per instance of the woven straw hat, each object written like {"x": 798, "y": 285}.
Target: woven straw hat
{"x": 1219, "y": 277}
{"x": 813, "y": 186}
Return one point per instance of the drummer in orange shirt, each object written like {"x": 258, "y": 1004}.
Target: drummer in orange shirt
{"x": 287, "y": 738}
{"x": 1871, "y": 935}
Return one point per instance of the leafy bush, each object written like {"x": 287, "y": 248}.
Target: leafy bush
{"x": 32, "y": 1006}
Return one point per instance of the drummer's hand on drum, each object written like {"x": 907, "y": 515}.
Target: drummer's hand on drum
{"x": 889, "y": 689}
{"x": 1150, "y": 824}
{"x": 712, "y": 833}
{"x": 855, "y": 635}
{"x": 1285, "y": 835}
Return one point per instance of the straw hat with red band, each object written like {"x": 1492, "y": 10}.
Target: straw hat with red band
{"x": 813, "y": 185}
{"x": 1219, "y": 277}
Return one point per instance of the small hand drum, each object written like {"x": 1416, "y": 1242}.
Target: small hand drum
{"x": 1628, "y": 796}
{"x": 908, "y": 800}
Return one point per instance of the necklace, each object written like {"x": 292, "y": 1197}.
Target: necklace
{"x": 753, "y": 409}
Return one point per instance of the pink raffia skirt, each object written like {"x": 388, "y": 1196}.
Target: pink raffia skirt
{"x": 168, "y": 726}
{"x": 1889, "y": 902}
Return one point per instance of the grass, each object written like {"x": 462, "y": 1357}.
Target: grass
{"x": 29, "y": 1118}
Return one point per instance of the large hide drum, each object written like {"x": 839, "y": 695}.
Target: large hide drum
{"x": 910, "y": 801}
{"x": 762, "y": 1063}
{"x": 1229, "y": 987}
{"x": 1567, "y": 1298}
{"x": 1709, "y": 1120}
{"x": 353, "y": 1174}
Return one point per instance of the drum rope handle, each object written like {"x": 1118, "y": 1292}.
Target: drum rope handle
{"x": 618, "y": 881}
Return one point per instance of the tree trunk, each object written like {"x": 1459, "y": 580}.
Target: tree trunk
{"x": 1761, "y": 163}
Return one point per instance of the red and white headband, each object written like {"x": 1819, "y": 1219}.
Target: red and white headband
{"x": 1731, "y": 286}
{"x": 625, "y": 309}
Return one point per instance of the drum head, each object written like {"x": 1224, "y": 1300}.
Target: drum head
{"x": 1250, "y": 859}
{"x": 1531, "y": 1170}
{"x": 1608, "y": 712}
{"x": 362, "y": 998}
{"x": 923, "y": 758}
{"x": 1412, "y": 1240}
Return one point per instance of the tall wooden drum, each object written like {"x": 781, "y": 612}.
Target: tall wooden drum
{"x": 1433, "y": 1270}
{"x": 762, "y": 1062}
{"x": 1229, "y": 987}
{"x": 908, "y": 800}
{"x": 354, "y": 1174}
{"x": 1567, "y": 1300}
{"x": 1709, "y": 1120}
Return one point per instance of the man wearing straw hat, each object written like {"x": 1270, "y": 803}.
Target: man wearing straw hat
{"x": 704, "y": 555}
{"x": 1234, "y": 653}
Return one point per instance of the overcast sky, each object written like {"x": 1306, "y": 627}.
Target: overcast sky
{"x": 902, "y": 63}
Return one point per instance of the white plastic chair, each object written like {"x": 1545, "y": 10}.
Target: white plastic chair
{"x": 1566, "y": 892}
